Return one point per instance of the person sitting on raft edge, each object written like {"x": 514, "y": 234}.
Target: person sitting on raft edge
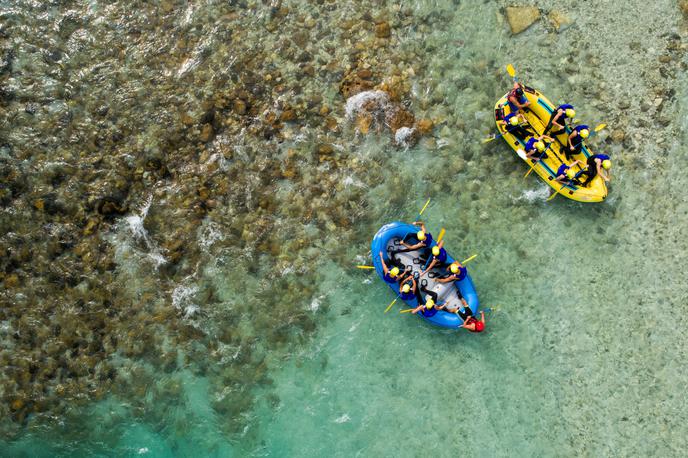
{"x": 428, "y": 309}
{"x": 423, "y": 236}
{"x": 559, "y": 117}
{"x": 597, "y": 164}
{"x": 513, "y": 124}
{"x": 390, "y": 275}
{"x": 407, "y": 292}
{"x": 576, "y": 137}
{"x": 516, "y": 99}
{"x": 439, "y": 257}
{"x": 565, "y": 173}
{"x": 458, "y": 273}
{"x": 535, "y": 147}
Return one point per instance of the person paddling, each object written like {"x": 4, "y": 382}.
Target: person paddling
{"x": 558, "y": 119}
{"x": 423, "y": 236}
{"x": 566, "y": 173}
{"x": 514, "y": 124}
{"x": 535, "y": 147}
{"x": 516, "y": 98}
{"x": 407, "y": 291}
{"x": 439, "y": 257}
{"x": 390, "y": 275}
{"x": 428, "y": 309}
{"x": 576, "y": 137}
{"x": 457, "y": 273}
{"x": 598, "y": 164}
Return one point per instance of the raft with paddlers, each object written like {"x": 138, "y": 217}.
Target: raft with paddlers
{"x": 389, "y": 241}
{"x": 548, "y": 162}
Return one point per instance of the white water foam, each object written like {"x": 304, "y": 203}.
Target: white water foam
{"x": 137, "y": 229}
{"x": 404, "y": 135}
{"x": 534, "y": 195}
{"x": 356, "y": 103}
{"x": 183, "y": 299}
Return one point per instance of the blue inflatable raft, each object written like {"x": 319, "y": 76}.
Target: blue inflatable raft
{"x": 388, "y": 240}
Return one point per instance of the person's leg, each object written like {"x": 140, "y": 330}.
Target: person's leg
{"x": 432, "y": 294}
{"x": 589, "y": 172}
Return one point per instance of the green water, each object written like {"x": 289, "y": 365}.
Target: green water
{"x": 257, "y": 337}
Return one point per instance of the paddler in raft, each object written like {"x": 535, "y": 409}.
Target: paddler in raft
{"x": 457, "y": 273}
{"x": 576, "y": 137}
{"x": 471, "y": 323}
{"x": 566, "y": 173}
{"x": 423, "y": 236}
{"x": 516, "y": 99}
{"x": 439, "y": 257}
{"x": 390, "y": 275}
{"x": 598, "y": 164}
{"x": 535, "y": 147}
{"x": 428, "y": 309}
{"x": 559, "y": 117}
{"x": 514, "y": 124}
{"x": 407, "y": 291}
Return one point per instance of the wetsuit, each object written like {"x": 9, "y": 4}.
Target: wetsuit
{"x": 591, "y": 170}
{"x": 518, "y": 130}
{"x": 561, "y": 120}
{"x": 577, "y": 142}
{"x": 465, "y": 313}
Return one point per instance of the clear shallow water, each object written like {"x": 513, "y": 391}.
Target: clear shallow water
{"x": 568, "y": 367}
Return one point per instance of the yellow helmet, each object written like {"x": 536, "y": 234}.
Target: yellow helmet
{"x": 429, "y": 303}
{"x": 570, "y": 174}
{"x": 436, "y": 251}
{"x": 394, "y": 271}
{"x": 420, "y": 235}
{"x": 406, "y": 288}
{"x": 570, "y": 113}
{"x": 584, "y": 133}
{"x": 454, "y": 268}
{"x": 539, "y": 146}
{"x": 606, "y": 164}
{"x": 513, "y": 121}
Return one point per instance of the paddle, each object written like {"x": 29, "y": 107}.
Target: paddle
{"x": 469, "y": 259}
{"x": 422, "y": 210}
{"x": 489, "y": 139}
{"x": 439, "y": 238}
{"x": 512, "y": 72}
{"x": 391, "y": 304}
{"x": 405, "y": 310}
{"x": 365, "y": 267}
{"x": 597, "y": 129}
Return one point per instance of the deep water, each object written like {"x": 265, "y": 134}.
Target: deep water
{"x": 186, "y": 192}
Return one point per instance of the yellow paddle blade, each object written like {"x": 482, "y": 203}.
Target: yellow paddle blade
{"x": 469, "y": 259}
{"x": 489, "y": 139}
{"x": 600, "y": 127}
{"x": 439, "y": 238}
{"x": 528, "y": 172}
{"x": 424, "y": 207}
{"x": 552, "y": 196}
{"x": 365, "y": 267}
{"x": 405, "y": 310}
{"x": 510, "y": 70}
{"x": 390, "y": 305}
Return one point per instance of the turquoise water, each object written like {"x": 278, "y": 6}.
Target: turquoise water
{"x": 216, "y": 310}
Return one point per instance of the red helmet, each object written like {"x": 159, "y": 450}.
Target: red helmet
{"x": 479, "y": 326}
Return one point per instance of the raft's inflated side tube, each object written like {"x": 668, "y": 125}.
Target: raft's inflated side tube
{"x": 441, "y": 318}
{"x": 538, "y": 115}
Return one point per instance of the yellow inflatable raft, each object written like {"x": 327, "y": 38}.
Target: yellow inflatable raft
{"x": 538, "y": 115}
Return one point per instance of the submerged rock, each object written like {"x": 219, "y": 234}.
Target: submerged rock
{"x": 521, "y": 17}
{"x": 560, "y": 21}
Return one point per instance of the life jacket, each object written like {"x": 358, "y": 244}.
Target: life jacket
{"x": 562, "y": 169}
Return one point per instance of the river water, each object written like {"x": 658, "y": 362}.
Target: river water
{"x": 187, "y": 187}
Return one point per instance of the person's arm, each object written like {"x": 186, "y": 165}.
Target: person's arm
{"x": 432, "y": 264}
{"x": 444, "y": 280}
{"x": 417, "y": 309}
{"x": 416, "y": 223}
{"x": 576, "y": 162}
{"x": 573, "y": 134}
{"x": 556, "y": 118}
{"x": 413, "y": 247}
{"x": 482, "y": 317}
{"x": 384, "y": 266}
{"x": 547, "y": 137}
{"x": 600, "y": 170}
